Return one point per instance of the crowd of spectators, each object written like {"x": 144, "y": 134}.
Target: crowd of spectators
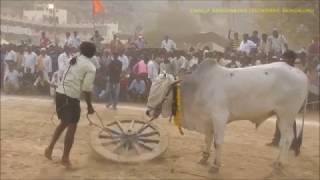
{"x": 125, "y": 71}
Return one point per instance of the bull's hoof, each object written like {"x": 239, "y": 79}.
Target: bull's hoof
{"x": 277, "y": 165}
{"x": 203, "y": 161}
{"x": 214, "y": 169}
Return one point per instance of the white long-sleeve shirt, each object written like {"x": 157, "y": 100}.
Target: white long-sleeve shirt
{"x": 30, "y": 61}
{"x": 47, "y": 64}
{"x": 153, "y": 70}
{"x": 247, "y": 46}
{"x": 169, "y": 45}
{"x": 125, "y": 62}
{"x": 63, "y": 62}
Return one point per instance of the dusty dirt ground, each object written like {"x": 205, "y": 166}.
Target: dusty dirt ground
{"x": 26, "y": 130}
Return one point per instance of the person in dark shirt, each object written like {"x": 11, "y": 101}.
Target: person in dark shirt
{"x": 114, "y": 72}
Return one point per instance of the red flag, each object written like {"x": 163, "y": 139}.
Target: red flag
{"x": 97, "y": 6}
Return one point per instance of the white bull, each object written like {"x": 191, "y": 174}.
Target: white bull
{"x": 213, "y": 96}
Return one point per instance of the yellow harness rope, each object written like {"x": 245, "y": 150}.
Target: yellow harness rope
{"x": 177, "y": 118}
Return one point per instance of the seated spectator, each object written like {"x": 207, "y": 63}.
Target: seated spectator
{"x": 137, "y": 89}
{"x": 11, "y": 80}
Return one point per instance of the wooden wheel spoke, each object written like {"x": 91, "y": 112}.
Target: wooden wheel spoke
{"x": 108, "y": 136}
{"x": 111, "y": 130}
{"x": 131, "y": 124}
{"x": 149, "y": 134}
{"x": 116, "y": 141}
{"x": 116, "y": 149}
{"x": 144, "y": 146}
{"x": 145, "y": 126}
{"x": 120, "y": 126}
{"x": 136, "y": 148}
{"x": 149, "y": 140}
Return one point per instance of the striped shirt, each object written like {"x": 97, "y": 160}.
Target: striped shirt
{"x": 235, "y": 44}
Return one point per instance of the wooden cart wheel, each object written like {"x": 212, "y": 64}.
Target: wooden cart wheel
{"x": 129, "y": 141}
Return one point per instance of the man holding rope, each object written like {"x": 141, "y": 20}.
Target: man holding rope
{"x": 78, "y": 77}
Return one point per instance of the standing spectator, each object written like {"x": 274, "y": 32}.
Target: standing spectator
{"x": 153, "y": 70}
{"x": 255, "y": 38}
{"x": 76, "y": 40}
{"x": 44, "y": 63}
{"x": 116, "y": 45}
{"x": 314, "y": 48}
{"x": 54, "y": 52}
{"x": 124, "y": 60}
{"x": 140, "y": 44}
{"x": 30, "y": 60}
{"x": 44, "y": 41}
{"x": 168, "y": 44}
{"x": 115, "y": 69}
{"x": 246, "y": 45}
{"x": 167, "y": 67}
{"x": 277, "y": 43}
{"x": 263, "y": 48}
{"x": 63, "y": 60}
{"x": 20, "y": 55}
{"x": 97, "y": 39}
{"x": 68, "y": 40}
{"x": 235, "y": 41}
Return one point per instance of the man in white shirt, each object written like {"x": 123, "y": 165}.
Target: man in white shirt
{"x": 29, "y": 60}
{"x": 153, "y": 70}
{"x": 76, "y": 40}
{"x": 168, "y": 44}
{"x": 68, "y": 41}
{"x": 277, "y": 43}
{"x": 63, "y": 60}
{"x": 246, "y": 45}
{"x": 78, "y": 78}
{"x": 125, "y": 61}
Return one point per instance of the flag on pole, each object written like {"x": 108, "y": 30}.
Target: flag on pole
{"x": 97, "y": 6}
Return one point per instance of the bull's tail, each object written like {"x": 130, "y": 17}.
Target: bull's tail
{"x": 298, "y": 140}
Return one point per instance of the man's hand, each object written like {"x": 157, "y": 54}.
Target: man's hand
{"x": 87, "y": 96}
{"x": 90, "y": 109}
